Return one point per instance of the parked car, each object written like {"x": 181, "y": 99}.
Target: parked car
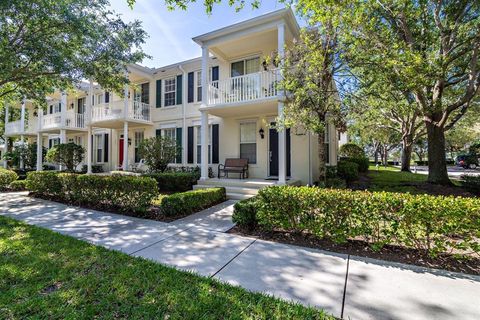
{"x": 467, "y": 161}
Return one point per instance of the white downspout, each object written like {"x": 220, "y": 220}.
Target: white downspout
{"x": 184, "y": 116}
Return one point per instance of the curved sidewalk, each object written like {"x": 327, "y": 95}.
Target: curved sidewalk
{"x": 346, "y": 286}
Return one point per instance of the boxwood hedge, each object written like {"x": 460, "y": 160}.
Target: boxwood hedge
{"x": 6, "y": 177}
{"x": 185, "y": 203}
{"x": 122, "y": 193}
{"x": 432, "y": 223}
{"x": 174, "y": 181}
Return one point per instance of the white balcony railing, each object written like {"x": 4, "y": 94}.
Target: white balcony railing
{"x": 15, "y": 127}
{"x": 115, "y": 111}
{"x": 72, "y": 120}
{"x": 250, "y": 87}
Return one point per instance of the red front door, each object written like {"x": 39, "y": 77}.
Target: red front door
{"x": 120, "y": 154}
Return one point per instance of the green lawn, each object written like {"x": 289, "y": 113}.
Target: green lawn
{"x": 392, "y": 179}
{"x": 45, "y": 275}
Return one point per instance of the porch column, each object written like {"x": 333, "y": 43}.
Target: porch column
{"x": 5, "y": 164}
{"x": 282, "y": 141}
{"x": 63, "y": 109}
{"x": 22, "y": 117}
{"x": 6, "y": 114}
{"x": 205, "y": 70}
{"x": 5, "y": 149}
{"x": 89, "y": 127}
{"x": 125, "y": 146}
{"x": 22, "y": 141}
{"x": 204, "y": 146}
{"x": 125, "y": 128}
{"x": 39, "y": 141}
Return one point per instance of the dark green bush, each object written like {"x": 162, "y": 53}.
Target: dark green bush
{"x": 122, "y": 193}
{"x": 7, "y": 177}
{"x": 18, "y": 185}
{"x": 96, "y": 168}
{"x": 347, "y": 170}
{"x": 330, "y": 172}
{"x": 336, "y": 183}
{"x": 245, "y": 213}
{"x": 351, "y": 150}
{"x": 189, "y": 202}
{"x": 174, "y": 181}
{"x": 471, "y": 183}
{"x": 432, "y": 223}
{"x": 362, "y": 162}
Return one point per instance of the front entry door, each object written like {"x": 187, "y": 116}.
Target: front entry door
{"x": 120, "y": 152}
{"x": 273, "y": 151}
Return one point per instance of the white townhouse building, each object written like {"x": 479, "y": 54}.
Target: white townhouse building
{"x": 221, "y": 105}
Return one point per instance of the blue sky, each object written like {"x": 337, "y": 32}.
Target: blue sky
{"x": 171, "y": 32}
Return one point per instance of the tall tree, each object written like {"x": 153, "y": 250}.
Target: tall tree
{"x": 431, "y": 48}
{"x": 308, "y": 70}
{"x": 52, "y": 44}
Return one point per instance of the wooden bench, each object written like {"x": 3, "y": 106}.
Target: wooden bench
{"x": 234, "y": 165}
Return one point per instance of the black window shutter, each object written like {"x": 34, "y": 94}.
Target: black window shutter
{"x": 179, "y": 89}
{"x": 190, "y": 145}
{"x": 50, "y": 143}
{"x": 51, "y": 109}
{"x": 60, "y": 106}
{"x": 105, "y": 157}
{"x": 158, "y": 95}
{"x": 93, "y": 100}
{"x": 179, "y": 145}
{"x": 190, "y": 86}
{"x": 215, "y": 143}
{"x": 215, "y": 73}
{"x": 107, "y": 97}
{"x": 158, "y": 132}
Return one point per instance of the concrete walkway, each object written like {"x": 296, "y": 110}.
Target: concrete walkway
{"x": 346, "y": 286}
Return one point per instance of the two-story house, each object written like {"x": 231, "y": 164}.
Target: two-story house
{"x": 221, "y": 105}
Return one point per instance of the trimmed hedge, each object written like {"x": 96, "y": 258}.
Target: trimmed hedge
{"x": 174, "y": 181}
{"x": 122, "y": 193}
{"x": 347, "y": 170}
{"x": 432, "y": 223}
{"x": 18, "y": 185}
{"x": 245, "y": 213}
{"x": 7, "y": 177}
{"x": 185, "y": 203}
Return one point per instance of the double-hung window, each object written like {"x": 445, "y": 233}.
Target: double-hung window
{"x": 139, "y": 135}
{"x": 248, "y": 141}
{"x": 170, "y": 92}
{"x": 172, "y": 134}
{"x": 199, "y": 86}
{"x": 199, "y": 144}
{"x": 99, "y": 147}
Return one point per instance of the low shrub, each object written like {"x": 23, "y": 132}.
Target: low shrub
{"x": 330, "y": 172}
{"x": 18, "y": 185}
{"x": 96, "y": 168}
{"x": 432, "y": 223}
{"x": 174, "y": 181}
{"x": 471, "y": 183}
{"x": 336, "y": 183}
{"x": 245, "y": 213}
{"x": 351, "y": 150}
{"x": 121, "y": 193}
{"x": 347, "y": 170}
{"x": 7, "y": 177}
{"x": 185, "y": 203}
{"x": 362, "y": 162}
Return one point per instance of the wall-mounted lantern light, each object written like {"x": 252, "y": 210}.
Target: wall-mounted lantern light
{"x": 262, "y": 133}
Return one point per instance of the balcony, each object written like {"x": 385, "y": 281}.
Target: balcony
{"x": 74, "y": 121}
{"x": 14, "y": 128}
{"x": 243, "y": 89}
{"x": 114, "y": 112}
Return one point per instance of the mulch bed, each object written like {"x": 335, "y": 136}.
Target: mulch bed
{"x": 362, "y": 249}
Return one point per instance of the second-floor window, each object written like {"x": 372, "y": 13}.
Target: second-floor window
{"x": 243, "y": 67}
{"x": 170, "y": 92}
{"x": 199, "y": 86}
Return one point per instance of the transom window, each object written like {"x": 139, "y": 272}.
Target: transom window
{"x": 248, "y": 141}
{"x": 170, "y": 88}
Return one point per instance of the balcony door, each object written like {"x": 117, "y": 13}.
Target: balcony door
{"x": 244, "y": 85}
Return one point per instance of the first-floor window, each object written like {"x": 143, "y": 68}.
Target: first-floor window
{"x": 139, "y": 135}
{"x": 199, "y": 144}
{"x": 248, "y": 141}
{"x": 327, "y": 145}
{"x": 99, "y": 147}
{"x": 172, "y": 134}
{"x": 53, "y": 142}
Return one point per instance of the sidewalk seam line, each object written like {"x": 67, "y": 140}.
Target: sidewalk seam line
{"x": 152, "y": 244}
{"x": 248, "y": 246}
{"x": 345, "y": 288}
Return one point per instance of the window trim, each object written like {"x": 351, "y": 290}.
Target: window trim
{"x": 165, "y": 92}
{"x": 240, "y": 138}
{"x": 95, "y": 147}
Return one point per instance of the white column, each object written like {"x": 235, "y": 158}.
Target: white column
{"x": 22, "y": 141}
{"x": 125, "y": 128}
{"x": 22, "y": 117}
{"x": 204, "y": 145}
{"x": 39, "y": 141}
{"x": 6, "y": 114}
{"x": 5, "y": 148}
{"x": 63, "y": 136}
{"x": 5, "y": 164}
{"x": 125, "y": 146}
{"x": 282, "y": 141}
{"x": 205, "y": 70}
{"x": 89, "y": 127}
{"x": 63, "y": 111}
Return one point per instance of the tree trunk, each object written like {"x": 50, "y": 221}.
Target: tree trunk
{"x": 437, "y": 162}
{"x": 385, "y": 155}
{"x": 406, "y": 153}
{"x": 321, "y": 158}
